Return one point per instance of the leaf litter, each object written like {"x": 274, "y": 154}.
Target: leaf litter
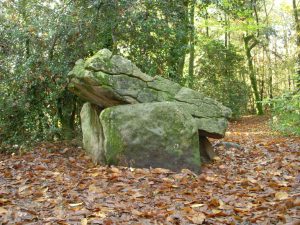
{"x": 58, "y": 184}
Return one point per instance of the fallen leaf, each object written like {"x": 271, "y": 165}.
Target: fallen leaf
{"x": 4, "y": 201}
{"x": 252, "y": 180}
{"x": 100, "y": 214}
{"x": 115, "y": 170}
{"x": 239, "y": 209}
{"x": 281, "y": 195}
{"x": 64, "y": 150}
{"x": 138, "y": 195}
{"x": 217, "y": 158}
{"x": 136, "y": 212}
{"x": 160, "y": 170}
{"x": 3, "y": 210}
{"x": 214, "y": 202}
{"x": 84, "y": 221}
{"x": 197, "y": 219}
{"x": 296, "y": 202}
{"x": 197, "y": 205}
{"x": 40, "y": 167}
{"x": 23, "y": 188}
{"x": 216, "y": 211}
{"x": 75, "y": 204}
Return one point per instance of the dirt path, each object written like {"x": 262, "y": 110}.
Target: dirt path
{"x": 58, "y": 184}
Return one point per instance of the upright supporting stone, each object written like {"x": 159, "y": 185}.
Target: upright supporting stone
{"x": 206, "y": 150}
{"x": 92, "y": 132}
{"x": 150, "y": 135}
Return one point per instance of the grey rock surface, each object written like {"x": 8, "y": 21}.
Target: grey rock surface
{"x": 150, "y": 135}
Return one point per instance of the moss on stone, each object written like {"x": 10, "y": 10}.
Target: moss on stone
{"x": 112, "y": 141}
{"x": 102, "y": 78}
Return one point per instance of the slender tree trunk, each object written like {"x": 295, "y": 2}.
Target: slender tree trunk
{"x": 296, "y": 11}
{"x": 192, "y": 44}
{"x": 275, "y": 62}
{"x": 270, "y": 72}
{"x": 268, "y": 54}
{"x": 226, "y": 32}
{"x": 250, "y": 42}
{"x": 254, "y": 7}
{"x": 66, "y": 111}
{"x": 270, "y": 80}
{"x": 178, "y": 51}
{"x": 23, "y": 5}
{"x": 262, "y": 85}
{"x": 286, "y": 46}
{"x": 252, "y": 74}
{"x": 206, "y": 23}
{"x": 27, "y": 47}
{"x": 226, "y": 44}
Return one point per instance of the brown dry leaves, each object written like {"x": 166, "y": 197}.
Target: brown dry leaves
{"x": 59, "y": 185}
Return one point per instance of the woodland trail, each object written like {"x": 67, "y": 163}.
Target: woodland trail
{"x": 58, "y": 184}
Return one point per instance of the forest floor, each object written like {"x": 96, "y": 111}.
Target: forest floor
{"x": 58, "y": 184}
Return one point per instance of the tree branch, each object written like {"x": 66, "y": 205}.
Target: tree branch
{"x": 254, "y": 43}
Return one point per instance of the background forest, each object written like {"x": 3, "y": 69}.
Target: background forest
{"x": 244, "y": 53}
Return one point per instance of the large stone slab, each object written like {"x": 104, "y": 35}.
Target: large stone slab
{"x": 150, "y": 135}
{"x": 110, "y": 80}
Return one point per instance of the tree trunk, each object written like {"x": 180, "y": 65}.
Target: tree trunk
{"x": 262, "y": 84}
{"x": 66, "y": 110}
{"x": 270, "y": 76}
{"x": 206, "y": 23}
{"x": 296, "y": 9}
{"x": 252, "y": 74}
{"x": 254, "y": 7}
{"x": 268, "y": 54}
{"x": 192, "y": 45}
{"x": 178, "y": 52}
{"x": 226, "y": 32}
{"x": 27, "y": 47}
{"x": 286, "y": 46}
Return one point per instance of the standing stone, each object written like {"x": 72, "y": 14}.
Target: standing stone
{"x": 92, "y": 133}
{"x": 150, "y": 135}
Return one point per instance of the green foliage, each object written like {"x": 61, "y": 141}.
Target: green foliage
{"x": 35, "y": 59}
{"x": 286, "y": 113}
{"x": 40, "y": 41}
{"x": 220, "y": 72}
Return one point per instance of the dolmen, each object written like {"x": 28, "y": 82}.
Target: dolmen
{"x": 136, "y": 120}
